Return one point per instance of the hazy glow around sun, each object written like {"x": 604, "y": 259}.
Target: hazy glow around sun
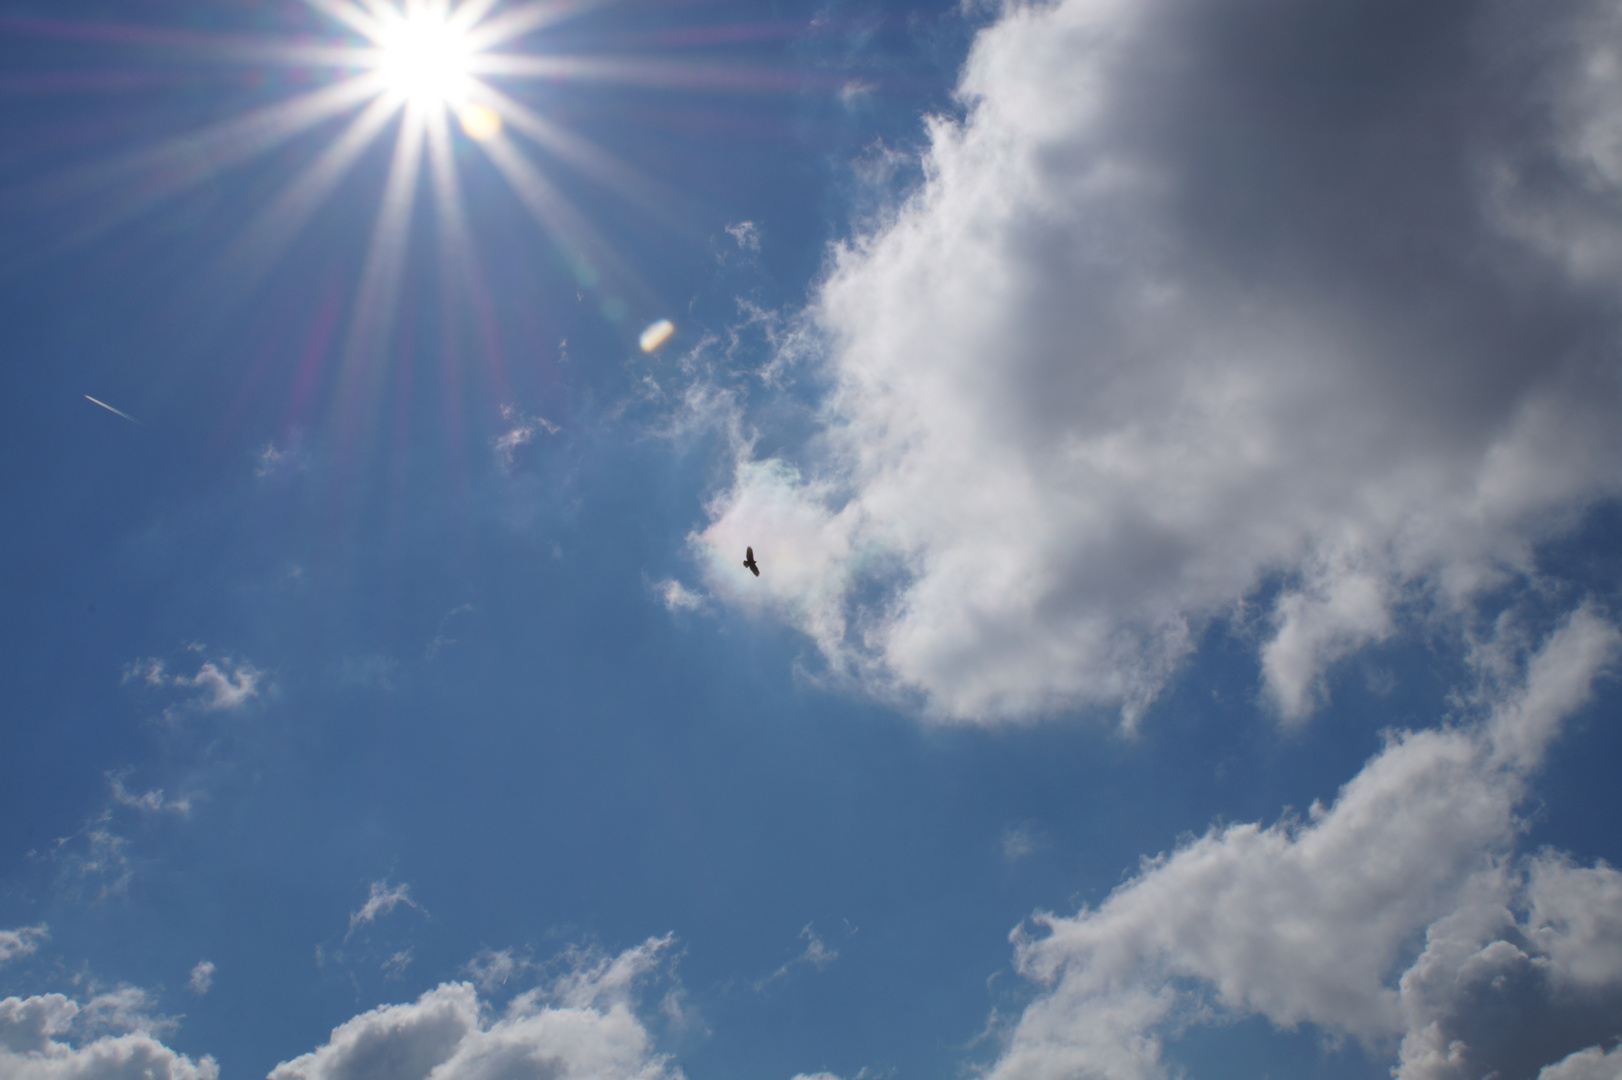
{"x": 424, "y": 58}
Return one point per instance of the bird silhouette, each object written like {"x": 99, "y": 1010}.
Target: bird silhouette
{"x": 749, "y": 561}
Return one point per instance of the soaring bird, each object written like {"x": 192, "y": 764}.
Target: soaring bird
{"x": 749, "y": 561}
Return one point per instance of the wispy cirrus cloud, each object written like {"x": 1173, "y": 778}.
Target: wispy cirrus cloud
{"x": 816, "y": 954}
{"x": 394, "y": 967}
{"x": 100, "y": 854}
{"x": 492, "y": 969}
{"x": 1018, "y": 842}
{"x": 442, "y": 636}
{"x": 521, "y": 431}
{"x": 745, "y": 234}
{"x": 381, "y": 899}
{"x": 280, "y": 463}
{"x": 95, "y": 857}
{"x": 147, "y": 802}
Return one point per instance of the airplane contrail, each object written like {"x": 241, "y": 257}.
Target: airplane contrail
{"x": 109, "y": 408}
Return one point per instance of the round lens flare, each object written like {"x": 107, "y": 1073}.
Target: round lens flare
{"x": 424, "y": 59}
{"x": 657, "y": 334}
{"x": 480, "y": 122}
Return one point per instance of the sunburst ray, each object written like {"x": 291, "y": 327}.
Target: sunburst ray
{"x": 275, "y": 227}
{"x": 351, "y": 15}
{"x": 652, "y": 198}
{"x": 461, "y": 277}
{"x": 421, "y": 66}
{"x": 647, "y": 71}
{"x": 379, "y": 290}
{"x": 132, "y": 183}
{"x": 585, "y": 249}
{"x": 470, "y": 13}
{"x": 525, "y": 19}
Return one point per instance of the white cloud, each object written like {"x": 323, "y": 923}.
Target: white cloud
{"x": 414, "y": 1039}
{"x": 584, "y": 1027}
{"x": 520, "y": 434}
{"x": 202, "y": 977}
{"x": 37, "y": 1041}
{"x": 1307, "y": 921}
{"x": 1591, "y": 1064}
{"x": 222, "y": 685}
{"x": 855, "y": 92}
{"x": 95, "y": 854}
{"x": 1316, "y": 627}
{"x": 507, "y": 444}
{"x": 491, "y": 969}
{"x": 1144, "y": 344}
{"x": 126, "y": 1009}
{"x": 816, "y": 954}
{"x": 1555, "y": 193}
{"x": 442, "y": 638}
{"x": 678, "y": 597}
{"x": 148, "y": 802}
{"x": 24, "y": 941}
{"x": 381, "y": 899}
{"x": 746, "y": 234}
{"x": 1018, "y": 841}
{"x": 150, "y": 672}
{"x": 395, "y": 966}
{"x": 282, "y": 462}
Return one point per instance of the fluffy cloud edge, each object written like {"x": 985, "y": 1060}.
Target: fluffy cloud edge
{"x": 113, "y": 1036}
{"x": 581, "y": 1026}
{"x": 23, "y": 941}
{"x": 1305, "y": 921}
{"x": 1062, "y": 433}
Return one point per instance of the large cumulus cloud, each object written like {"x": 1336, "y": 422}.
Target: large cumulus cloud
{"x": 1199, "y": 303}
{"x": 110, "y": 1037}
{"x": 583, "y": 1027}
{"x": 1519, "y": 963}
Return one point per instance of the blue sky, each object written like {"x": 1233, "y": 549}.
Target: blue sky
{"x": 1182, "y": 446}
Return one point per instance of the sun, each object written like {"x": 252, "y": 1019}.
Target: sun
{"x": 425, "y": 75}
{"x": 425, "y": 58}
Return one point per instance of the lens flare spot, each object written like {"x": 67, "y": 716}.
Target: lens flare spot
{"x": 657, "y": 334}
{"x": 480, "y": 122}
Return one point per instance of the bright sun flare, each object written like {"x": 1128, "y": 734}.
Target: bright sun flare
{"x": 425, "y": 58}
